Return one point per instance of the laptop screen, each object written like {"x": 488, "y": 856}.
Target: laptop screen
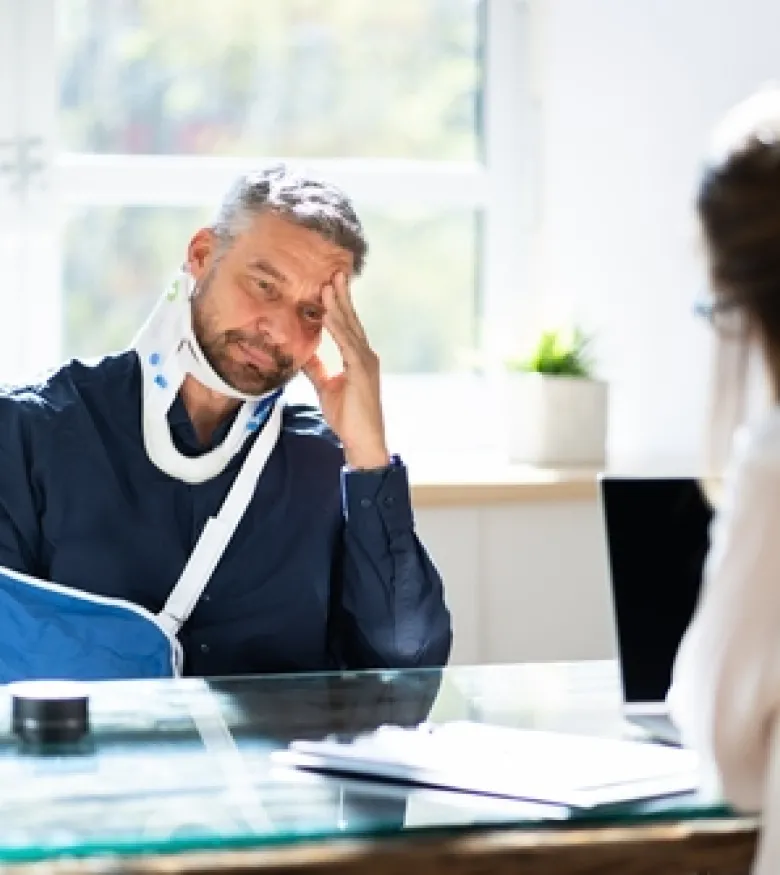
{"x": 657, "y": 540}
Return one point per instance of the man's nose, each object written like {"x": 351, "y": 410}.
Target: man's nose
{"x": 280, "y": 325}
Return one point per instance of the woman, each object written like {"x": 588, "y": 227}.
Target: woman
{"x": 725, "y": 694}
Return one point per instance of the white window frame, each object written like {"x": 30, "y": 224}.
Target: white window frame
{"x": 10, "y": 218}
{"x": 31, "y": 323}
{"x": 502, "y": 186}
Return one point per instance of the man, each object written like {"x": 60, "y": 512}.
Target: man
{"x": 324, "y": 569}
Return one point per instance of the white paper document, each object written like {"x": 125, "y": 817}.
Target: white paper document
{"x": 574, "y": 770}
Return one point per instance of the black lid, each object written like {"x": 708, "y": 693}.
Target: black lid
{"x": 49, "y": 711}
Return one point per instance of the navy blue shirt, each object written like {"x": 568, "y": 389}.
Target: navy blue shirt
{"x": 324, "y": 570}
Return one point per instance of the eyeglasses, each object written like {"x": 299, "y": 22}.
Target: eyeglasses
{"x": 726, "y": 317}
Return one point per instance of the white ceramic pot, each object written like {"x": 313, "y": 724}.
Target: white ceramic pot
{"x": 556, "y": 421}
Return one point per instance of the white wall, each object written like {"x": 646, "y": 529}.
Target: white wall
{"x": 524, "y": 581}
{"x": 630, "y": 90}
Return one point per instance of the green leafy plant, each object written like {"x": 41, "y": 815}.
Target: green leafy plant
{"x": 559, "y": 353}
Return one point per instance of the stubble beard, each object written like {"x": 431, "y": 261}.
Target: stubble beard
{"x": 244, "y": 376}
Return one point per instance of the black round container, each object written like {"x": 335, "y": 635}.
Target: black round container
{"x": 49, "y": 712}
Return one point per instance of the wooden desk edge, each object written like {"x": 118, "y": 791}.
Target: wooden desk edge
{"x": 562, "y": 486}
{"x": 717, "y": 847}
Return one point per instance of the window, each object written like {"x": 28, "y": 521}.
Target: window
{"x": 133, "y": 116}
{"x": 296, "y": 78}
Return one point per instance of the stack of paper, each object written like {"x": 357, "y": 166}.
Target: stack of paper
{"x": 573, "y": 770}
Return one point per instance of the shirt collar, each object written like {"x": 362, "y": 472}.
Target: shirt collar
{"x": 183, "y": 431}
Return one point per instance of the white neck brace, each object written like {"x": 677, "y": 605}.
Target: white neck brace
{"x": 168, "y": 351}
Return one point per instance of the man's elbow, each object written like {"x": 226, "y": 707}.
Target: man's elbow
{"x": 435, "y": 653}
{"x": 404, "y": 648}
{"x": 430, "y": 649}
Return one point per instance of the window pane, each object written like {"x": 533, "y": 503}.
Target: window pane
{"x": 416, "y": 297}
{"x": 116, "y": 261}
{"x": 313, "y": 78}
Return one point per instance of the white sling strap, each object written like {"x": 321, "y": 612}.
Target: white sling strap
{"x": 219, "y": 530}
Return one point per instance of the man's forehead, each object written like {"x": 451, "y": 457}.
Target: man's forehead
{"x": 273, "y": 239}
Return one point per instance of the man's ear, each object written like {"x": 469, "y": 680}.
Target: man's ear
{"x": 201, "y": 253}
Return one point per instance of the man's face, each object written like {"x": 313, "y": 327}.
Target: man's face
{"x": 257, "y": 311}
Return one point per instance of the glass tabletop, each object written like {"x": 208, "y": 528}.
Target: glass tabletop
{"x": 186, "y": 764}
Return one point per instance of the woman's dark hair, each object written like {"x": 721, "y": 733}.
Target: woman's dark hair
{"x": 738, "y": 203}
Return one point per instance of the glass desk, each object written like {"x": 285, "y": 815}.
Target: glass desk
{"x": 177, "y": 776}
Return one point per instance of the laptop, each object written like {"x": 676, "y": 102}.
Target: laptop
{"x": 657, "y": 534}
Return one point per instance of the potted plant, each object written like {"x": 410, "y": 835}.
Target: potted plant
{"x": 557, "y": 409}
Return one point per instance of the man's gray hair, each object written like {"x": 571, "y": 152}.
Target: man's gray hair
{"x": 307, "y": 202}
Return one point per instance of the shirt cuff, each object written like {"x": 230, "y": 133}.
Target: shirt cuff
{"x": 384, "y": 491}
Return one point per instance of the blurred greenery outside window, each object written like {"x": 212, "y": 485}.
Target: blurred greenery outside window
{"x": 277, "y": 79}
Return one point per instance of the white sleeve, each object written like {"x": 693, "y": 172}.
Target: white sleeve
{"x": 726, "y": 678}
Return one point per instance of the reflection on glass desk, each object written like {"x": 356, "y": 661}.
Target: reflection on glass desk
{"x": 185, "y": 765}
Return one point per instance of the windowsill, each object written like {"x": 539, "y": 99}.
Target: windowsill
{"x": 496, "y": 483}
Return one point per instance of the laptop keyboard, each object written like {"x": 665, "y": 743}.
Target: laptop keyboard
{"x": 659, "y": 727}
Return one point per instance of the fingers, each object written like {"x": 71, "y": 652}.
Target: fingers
{"x": 316, "y": 372}
{"x": 343, "y": 324}
{"x": 345, "y": 304}
{"x": 335, "y": 320}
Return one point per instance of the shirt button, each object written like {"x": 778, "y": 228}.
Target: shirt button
{"x": 206, "y": 598}
{"x": 204, "y": 648}
{"x": 365, "y": 502}
{"x": 389, "y": 501}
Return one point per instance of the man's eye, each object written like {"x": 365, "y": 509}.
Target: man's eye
{"x": 312, "y": 314}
